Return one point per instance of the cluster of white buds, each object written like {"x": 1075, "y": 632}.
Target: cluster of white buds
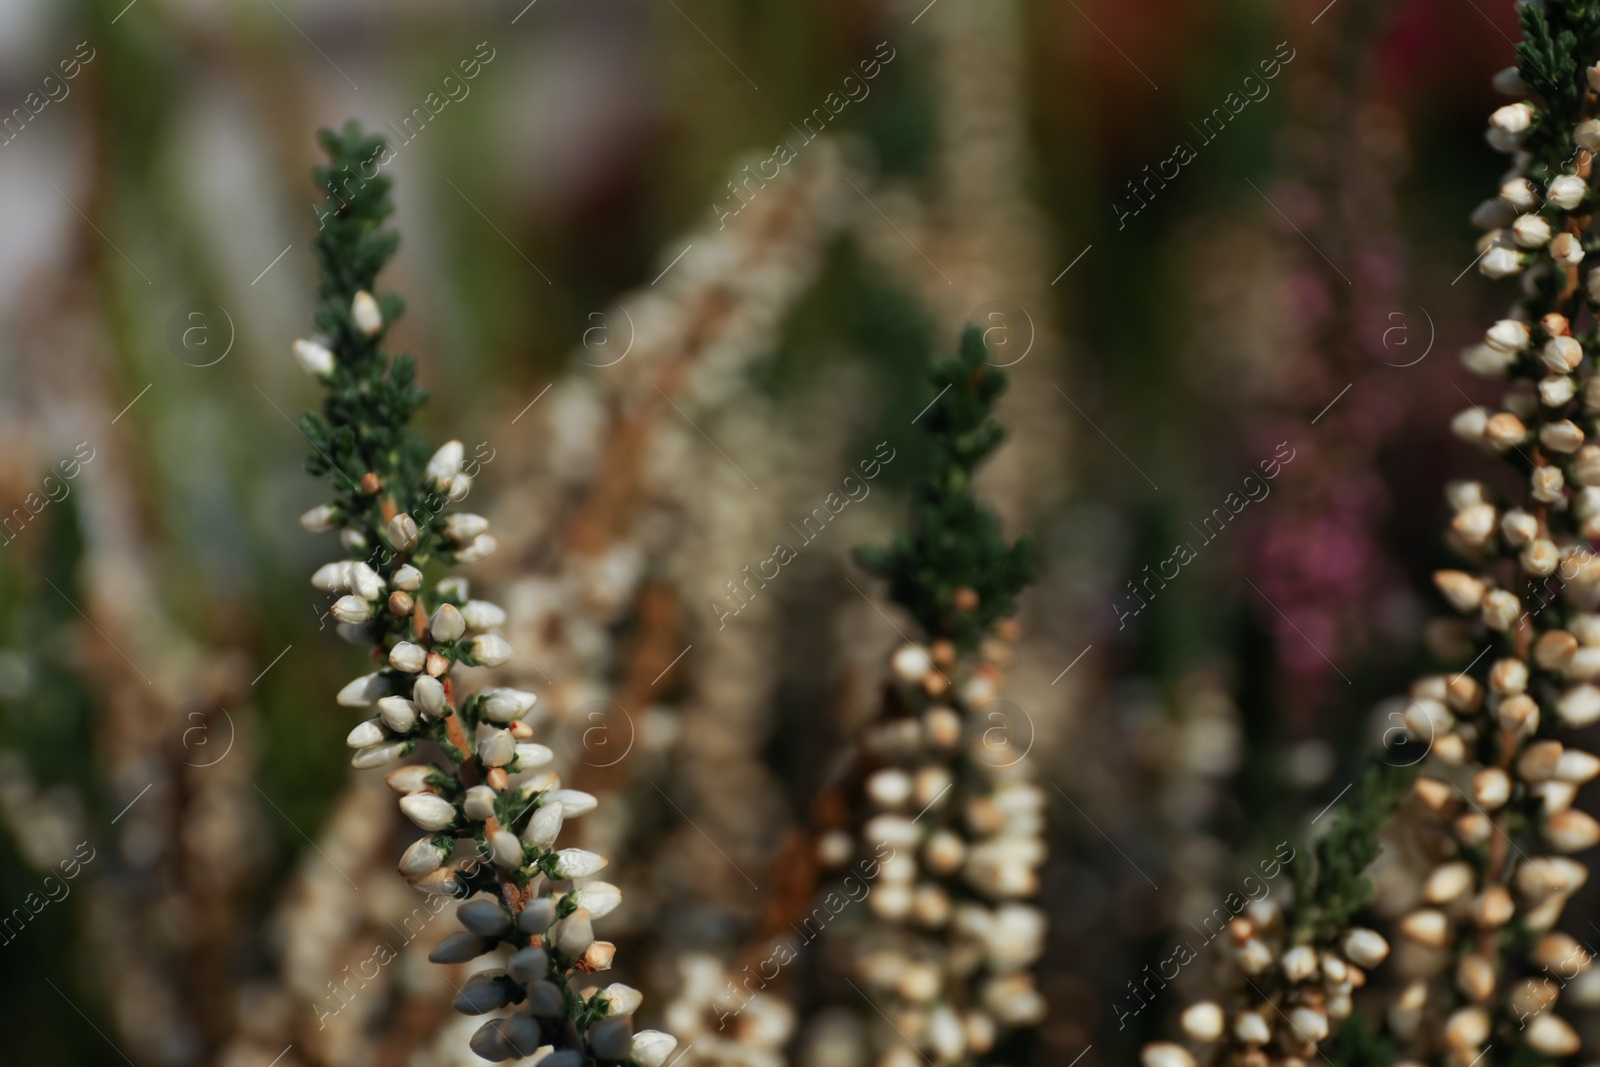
{"x": 1499, "y": 781}
{"x": 954, "y": 841}
{"x": 492, "y": 787}
{"x": 1296, "y": 993}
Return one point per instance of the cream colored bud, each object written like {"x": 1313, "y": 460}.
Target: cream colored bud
{"x": 444, "y": 464}
{"x": 1587, "y": 134}
{"x": 1204, "y": 1021}
{"x": 1554, "y": 649}
{"x": 1473, "y": 828}
{"x": 1462, "y": 590}
{"x": 407, "y": 657}
{"x": 1500, "y": 262}
{"x": 1493, "y": 908}
{"x": 401, "y": 532}
{"x": 490, "y": 650}
{"x": 1564, "y": 436}
{"x": 545, "y": 825}
{"x": 447, "y": 624}
{"x": 1427, "y": 927}
{"x": 1571, "y": 831}
{"x": 1519, "y": 714}
{"x": 1165, "y": 1054}
{"x": 352, "y": 609}
{"x": 1252, "y": 1028}
{"x": 1309, "y": 1023}
{"x": 478, "y": 803}
{"x": 481, "y": 548}
{"x": 365, "y": 314}
{"x": 1435, "y": 795}
{"x": 422, "y": 857}
{"x": 365, "y": 733}
{"x": 1577, "y": 766}
{"x": 578, "y": 863}
{"x": 1469, "y": 425}
{"x": 1579, "y": 706}
{"x": 1520, "y": 192}
{"x": 429, "y": 811}
{"x": 1491, "y": 788}
{"x": 1448, "y": 882}
{"x": 1487, "y": 361}
{"x": 1467, "y": 1029}
{"x": 1508, "y": 676}
{"x": 1539, "y": 761}
{"x": 1540, "y": 558}
{"x": 497, "y": 748}
{"x": 1546, "y": 484}
{"x": 1550, "y": 1034}
{"x": 428, "y": 693}
{"x": 1474, "y": 525}
{"x": 1299, "y": 963}
{"x": 1508, "y": 335}
{"x": 398, "y": 714}
{"x": 1475, "y": 978}
{"x": 1531, "y": 231}
{"x": 1501, "y": 610}
{"x": 1543, "y": 876}
{"x": 1566, "y": 249}
{"x": 315, "y": 359}
{"x": 380, "y": 755}
{"x": 407, "y": 578}
{"x": 1504, "y": 432}
{"x": 1557, "y": 391}
{"x": 1567, "y": 191}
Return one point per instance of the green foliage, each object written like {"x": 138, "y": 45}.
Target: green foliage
{"x": 955, "y": 542}
{"x": 1560, "y": 39}
{"x": 364, "y": 426}
{"x": 1334, "y": 887}
{"x": 1355, "y": 1045}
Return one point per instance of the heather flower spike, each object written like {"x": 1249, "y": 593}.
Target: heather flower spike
{"x": 1492, "y": 770}
{"x": 525, "y": 897}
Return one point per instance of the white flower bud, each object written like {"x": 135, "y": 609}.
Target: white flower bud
{"x": 363, "y": 691}
{"x": 332, "y": 577}
{"x": 408, "y": 578}
{"x": 401, "y": 532}
{"x": 1462, "y": 590}
{"x": 429, "y": 696}
{"x": 447, "y": 624}
{"x": 482, "y": 547}
{"x": 490, "y": 650}
{"x": 1501, "y": 609}
{"x": 482, "y": 615}
{"x": 1567, "y": 191}
{"x": 410, "y": 778}
{"x": 1309, "y": 1023}
{"x": 1366, "y": 948}
{"x": 444, "y": 464}
{"x": 313, "y": 358}
{"x": 578, "y": 863}
{"x": 428, "y": 810}
{"x": 504, "y": 705}
{"x": 1572, "y": 831}
{"x": 1447, "y": 882}
{"x": 505, "y": 849}
{"x": 1493, "y": 214}
{"x": 352, "y": 609}
{"x": 530, "y": 757}
{"x": 1509, "y": 82}
{"x": 910, "y": 664}
{"x": 1299, "y": 963}
{"x": 1520, "y": 193}
{"x": 365, "y": 733}
{"x": 1427, "y": 927}
{"x": 1546, "y": 484}
{"x": 1487, "y": 361}
{"x": 1252, "y": 1028}
{"x": 462, "y": 527}
{"x": 1507, "y": 335}
{"x": 573, "y": 935}
{"x": 1469, "y": 425}
{"x": 1564, "y": 436}
{"x": 622, "y": 999}
{"x": 1556, "y": 391}
{"x": 1588, "y": 135}
{"x": 318, "y": 520}
{"x": 1550, "y": 1034}
{"x": 1203, "y": 1021}
{"x": 365, "y": 314}
{"x": 1531, "y": 231}
{"x": 1561, "y": 354}
{"x": 1577, "y": 766}
{"x": 364, "y": 581}
{"x": 1579, "y": 706}
{"x": 398, "y": 714}
{"x": 652, "y": 1047}
{"x": 1566, "y": 249}
{"x": 422, "y": 858}
{"x": 1165, "y": 1054}
{"x": 408, "y": 657}
{"x": 478, "y": 804}
{"x": 1540, "y": 557}
{"x": 1491, "y": 788}
{"x": 380, "y": 755}
{"x": 542, "y": 829}
{"x": 497, "y": 748}
{"x": 574, "y": 802}
{"x": 1518, "y": 528}
{"x": 599, "y": 899}
{"x": 1500, "y": 262}
{"x": 890, "y": 787}
{"x": 460, "y": 485}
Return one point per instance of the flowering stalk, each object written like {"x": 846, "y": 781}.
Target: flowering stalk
{"x": 1289, "y": 973}
{"x": 390, "y": 502}
{"x": 1500, "y": 782}
{"x": 956, "y": 838}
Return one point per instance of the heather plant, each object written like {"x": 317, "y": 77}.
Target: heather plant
{"x": 489, "y": 808}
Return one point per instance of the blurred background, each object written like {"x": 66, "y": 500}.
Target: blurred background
{"x": 1221, "y": 249}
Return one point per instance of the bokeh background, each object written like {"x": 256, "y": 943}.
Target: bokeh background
{"x": 1289, "y": 291}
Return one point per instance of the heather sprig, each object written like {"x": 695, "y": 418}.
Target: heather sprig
{"x": 491, "y": 787}
{"x": 953, "y": 569}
